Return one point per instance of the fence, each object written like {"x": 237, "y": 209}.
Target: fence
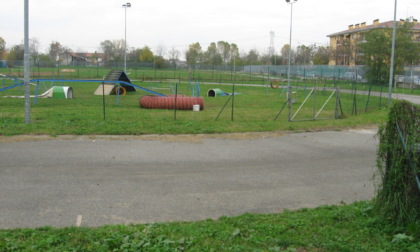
{"x": 254, "y": 106}
{"x": 210, "y": 73}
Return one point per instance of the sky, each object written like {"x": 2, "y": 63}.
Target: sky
{"x": 83, "y": 24}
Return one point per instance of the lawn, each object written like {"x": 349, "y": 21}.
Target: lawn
{"x": 255, "y": 108}
{"x": 327, "y": 228}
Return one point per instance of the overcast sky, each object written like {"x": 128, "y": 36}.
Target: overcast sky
{"x": 83, "y": 24}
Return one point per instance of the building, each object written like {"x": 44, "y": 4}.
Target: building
{"x": 345, "y": 44}
{"x": 80, "y": 59}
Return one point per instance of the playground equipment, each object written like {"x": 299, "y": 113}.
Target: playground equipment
{"x": 118, "y": 86}
{"x": 54, "y": 92}
{"x": 178, "y": 102}
{"x": 57, "y": 92}
{"x": 121, "y": 84}
{"x": 215, "y": 92}
{"x": 110, "y": 89}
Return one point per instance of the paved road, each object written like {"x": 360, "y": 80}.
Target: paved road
{"x": 92, "y": 181}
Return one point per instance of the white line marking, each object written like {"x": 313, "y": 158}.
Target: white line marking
{"x": 78, "y": 220}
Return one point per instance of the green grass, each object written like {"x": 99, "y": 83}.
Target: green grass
{"x": 326, "y": 228}
{"x": 255, "y": 109}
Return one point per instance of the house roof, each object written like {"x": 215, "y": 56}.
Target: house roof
{"x": 387, "y": 24}
{"x": 84, "y": 55}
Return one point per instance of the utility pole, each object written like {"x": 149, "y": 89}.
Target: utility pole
{"x": 26, "y": 64}
{"x": 289, "y": 87}
{"x": 127, "y": 5}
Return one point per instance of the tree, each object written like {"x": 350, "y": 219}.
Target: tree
{"x": 16, "y": 53}
{"x": 212, "y": 56}
{"x": 133, "y": 54}
{"x": 173, "y": 55}
{"x": 322, "y": 55}
{"x": 112, "y": 50}
{"x": 34, "y": 49}
{"x": 194, "y": 54}
{"x": 234, "y": 54}
{"x": 223, "y": 48}
{"x": 55, "y": 49}
{"x": 146, "y": 54}
{"x": 159, "y": 62}
{"x": 276, "y": 59}
{"x": 160, "y": 50}
{"x": 265, "y": 59}
{"x": 285, "y": 54}
{"x": 2, "y": 48}
{"x": 253, "y": 57}
{"x": 377, "y": 52}
{"x": 119, "y": 48}
{"x": 304, "y": 55}
{"x": 107, "y": 48}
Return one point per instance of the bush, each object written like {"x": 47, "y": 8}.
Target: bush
{"x": 398, "y": 196}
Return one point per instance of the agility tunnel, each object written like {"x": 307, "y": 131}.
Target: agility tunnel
{"x": 60, "y": 92}
{"x": 168, "y": 102}
{"x": 216, "y": 92}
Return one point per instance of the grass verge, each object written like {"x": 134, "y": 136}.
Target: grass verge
{"x": 327, "y": 228}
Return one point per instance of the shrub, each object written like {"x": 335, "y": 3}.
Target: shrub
{"x": 398, "y": 195}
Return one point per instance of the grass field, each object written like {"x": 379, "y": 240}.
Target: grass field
{"x": 254, "y": 109}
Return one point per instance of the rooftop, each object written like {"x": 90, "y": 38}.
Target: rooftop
{"x": 375, "y": 25}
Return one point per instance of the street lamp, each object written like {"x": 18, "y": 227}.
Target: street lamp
{"x": 391, "y": 71}
{"x": 289, "y": 87}
{"x": 26, "y": 63}
{"x": 127, "y": 5}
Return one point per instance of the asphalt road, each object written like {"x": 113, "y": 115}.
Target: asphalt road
{"x": 92, "y": 181}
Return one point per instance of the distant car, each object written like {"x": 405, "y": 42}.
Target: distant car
{"x": 412, "y": 79}
{"x": 353, "y": 76}
{"x": 399, "y": 79}
{"x": 407, "y": 79}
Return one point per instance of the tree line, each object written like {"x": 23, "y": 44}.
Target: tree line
{"x": 217, "y": 53}
{"x": 373, "y": 51}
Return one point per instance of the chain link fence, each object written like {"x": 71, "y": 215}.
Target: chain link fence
{"x": 251, "y": 95}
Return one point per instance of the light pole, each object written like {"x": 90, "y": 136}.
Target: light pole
{"x": 391, "y": 71}
{"x": 127, "y": 5}
{"x": 26, "y": 63}
{"x": 289, "y": 87}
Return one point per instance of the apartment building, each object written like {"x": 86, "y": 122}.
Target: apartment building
{"x": 345, "y": 44}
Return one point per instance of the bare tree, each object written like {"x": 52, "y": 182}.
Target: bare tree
{"x": 160, "y": 50}
{"x": 173, "y": 54}
{"x": 112, "y": 50}
{"x": 34, "y": 48}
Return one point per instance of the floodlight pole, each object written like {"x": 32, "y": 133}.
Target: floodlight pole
{"x": 127, "y": 5}
{"x": 391, "y": 72}
{"x": 26, "y": 63}
{"x": 289, "y": 87}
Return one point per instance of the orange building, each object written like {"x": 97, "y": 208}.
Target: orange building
{"x": 345, "y": 44}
